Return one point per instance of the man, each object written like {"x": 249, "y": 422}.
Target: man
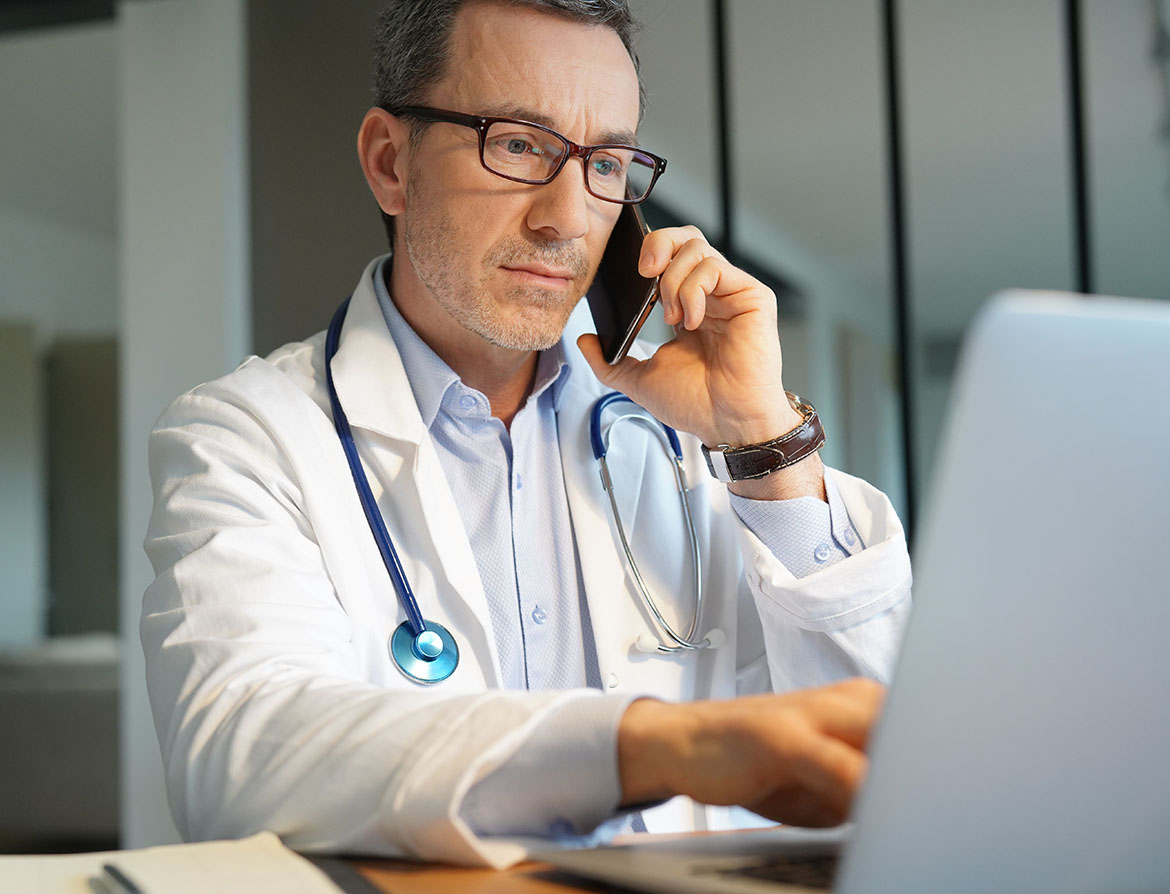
{"x": 268, "y": 631}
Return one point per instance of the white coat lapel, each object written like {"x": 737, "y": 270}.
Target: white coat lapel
{"x": 613, "y": 611}
{"x": 376, "y": 395}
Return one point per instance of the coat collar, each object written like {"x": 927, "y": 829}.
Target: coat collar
{"x": 368, "y": 373}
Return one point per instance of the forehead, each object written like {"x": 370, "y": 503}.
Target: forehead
{"x": 505, "y": 59}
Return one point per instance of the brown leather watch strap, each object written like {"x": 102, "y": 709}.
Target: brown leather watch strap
{"x": 729, "y": 463}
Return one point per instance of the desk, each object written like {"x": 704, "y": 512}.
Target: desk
{"x": 402, "y": 877}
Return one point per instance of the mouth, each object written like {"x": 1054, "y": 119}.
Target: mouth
{"x": 540, "y": 274}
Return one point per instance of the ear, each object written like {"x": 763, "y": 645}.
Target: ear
{"x": 382, "y": 144}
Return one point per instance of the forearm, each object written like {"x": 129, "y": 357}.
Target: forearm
{"x": 333, "y": 764}
{"x": 649, "y": 745}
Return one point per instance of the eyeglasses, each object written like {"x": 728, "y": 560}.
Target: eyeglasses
{"x": 532, "y": 153}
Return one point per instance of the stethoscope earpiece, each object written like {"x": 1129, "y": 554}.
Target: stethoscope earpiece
{"x": 647, "y": 644}
{"x": 716, "y": 638}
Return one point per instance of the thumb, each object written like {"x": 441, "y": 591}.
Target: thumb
{"x": 621, "y": 376}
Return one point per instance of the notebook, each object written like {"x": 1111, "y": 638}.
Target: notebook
{"x": 1025, "y": 738}
{"x": 256, "y": 865}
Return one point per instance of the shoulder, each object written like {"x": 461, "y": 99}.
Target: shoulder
{"x": 290, "y": 378}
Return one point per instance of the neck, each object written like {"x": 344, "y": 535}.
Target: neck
{"x": 503, "y": 375}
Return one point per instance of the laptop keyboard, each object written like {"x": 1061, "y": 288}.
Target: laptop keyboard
{"x": 810, "y": 871}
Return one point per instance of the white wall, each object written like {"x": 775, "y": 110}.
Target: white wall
{"x": 58, "y": 272}
{"x": 184, "y": 311}
{"x": 62, "y": 279}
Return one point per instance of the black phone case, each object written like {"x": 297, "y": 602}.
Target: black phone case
{"x": 620, "y": 298}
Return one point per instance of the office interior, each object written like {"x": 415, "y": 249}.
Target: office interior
{"x": 180, "y": 189}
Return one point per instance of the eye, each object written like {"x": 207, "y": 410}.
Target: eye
{"x": 518, "y": 146}
{"x": 606, "y": 165}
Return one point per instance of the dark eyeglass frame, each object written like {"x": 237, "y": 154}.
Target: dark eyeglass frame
{"x": 481, "y": 123}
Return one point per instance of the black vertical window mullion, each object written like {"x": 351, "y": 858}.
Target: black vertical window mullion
{"x": 723, "y": 148}
{"x": 899, "y": 253}
{"x": 1078, "y": 146}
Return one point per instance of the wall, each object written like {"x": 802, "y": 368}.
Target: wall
{"x": 58, "y": 273}
{"x": 313, "y": 223}
{"x": 184, "y": 283}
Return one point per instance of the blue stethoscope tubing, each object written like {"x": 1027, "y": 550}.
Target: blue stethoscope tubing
{"x": 425, "y": 651}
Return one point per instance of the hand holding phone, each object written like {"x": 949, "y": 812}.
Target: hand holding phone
{"x": 620, "y": 298}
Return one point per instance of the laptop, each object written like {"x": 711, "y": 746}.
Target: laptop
{"x": 1025, "y": 744}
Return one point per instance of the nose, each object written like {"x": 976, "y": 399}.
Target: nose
{"x": 560, "y": 209}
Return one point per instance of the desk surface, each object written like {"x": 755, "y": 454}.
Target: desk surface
{"x": 399, "y": 877}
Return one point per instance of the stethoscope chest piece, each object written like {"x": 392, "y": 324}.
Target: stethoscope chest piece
{"x": 430, "y": 657}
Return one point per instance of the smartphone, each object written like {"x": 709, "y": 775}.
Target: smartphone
{"x": 620, "y": 298}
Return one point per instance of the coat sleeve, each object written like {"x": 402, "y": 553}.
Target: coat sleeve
{"x": 844, "y": 620}
{"x": 264, "y": 714}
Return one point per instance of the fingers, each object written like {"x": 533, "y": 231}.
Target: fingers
{"x": 796, "y": 757}
{"x": 689, "y": 271}
{"x": 848, "y": 710}
{"x": 823, "y": 781}
{"x": 684, "y": 288}
{"x": 821, "y": 773}
{"x": 833, "y": 769}
{"x": 660, "y": 246}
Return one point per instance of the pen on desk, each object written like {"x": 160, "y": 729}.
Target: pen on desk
{"x": 125, "y": 885}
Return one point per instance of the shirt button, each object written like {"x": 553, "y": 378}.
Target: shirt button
{"x": 519, "y": 481}
{"x": 538, "y": 615}
{"x": 821, "y": 553}
{"x": 467, "y": 401}
{"x": 613, "y": 681}
{"x": 849, "y": 538}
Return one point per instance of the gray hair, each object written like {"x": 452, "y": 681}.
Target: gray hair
{"x": 412, "y": 43}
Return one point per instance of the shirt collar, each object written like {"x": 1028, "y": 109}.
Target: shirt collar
{"x": 431, "y": 378}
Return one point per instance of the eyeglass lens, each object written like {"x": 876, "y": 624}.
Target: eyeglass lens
{"x": 529, "y": 153}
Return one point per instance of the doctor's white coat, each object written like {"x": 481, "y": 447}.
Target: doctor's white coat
{"x": 266, "y": 632}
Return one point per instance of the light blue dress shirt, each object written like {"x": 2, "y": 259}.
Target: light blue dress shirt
{"x": 510, "y": 490}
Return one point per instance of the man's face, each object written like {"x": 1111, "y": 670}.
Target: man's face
{"x": 509, "y": 261}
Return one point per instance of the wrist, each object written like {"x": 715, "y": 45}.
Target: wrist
{"x": 758, "y": 460}
{"x": 803, "y": 479}
{"x": 741, "y": 432}
{"x": 650, "y": 737}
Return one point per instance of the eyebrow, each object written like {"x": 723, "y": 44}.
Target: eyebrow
{"x": 622, "y": 137}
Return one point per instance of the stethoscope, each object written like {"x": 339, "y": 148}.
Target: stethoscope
{"x": 425, "y": 651}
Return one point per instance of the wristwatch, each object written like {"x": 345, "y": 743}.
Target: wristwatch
{"x": 729, "y": 463}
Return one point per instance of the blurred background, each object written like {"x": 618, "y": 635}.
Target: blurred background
{"x": 179, "y": 189}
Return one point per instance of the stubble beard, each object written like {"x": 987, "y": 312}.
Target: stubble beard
{"x": 528, "y": 317}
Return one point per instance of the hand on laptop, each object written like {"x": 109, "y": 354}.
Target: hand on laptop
{"x": 795, "y": 757}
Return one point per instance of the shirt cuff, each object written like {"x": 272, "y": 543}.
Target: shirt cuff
{"x": 562, "y": 783}
{"x": 805, "y": 534}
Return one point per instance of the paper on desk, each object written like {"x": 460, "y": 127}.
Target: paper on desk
{"x": 256, "y": 865}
